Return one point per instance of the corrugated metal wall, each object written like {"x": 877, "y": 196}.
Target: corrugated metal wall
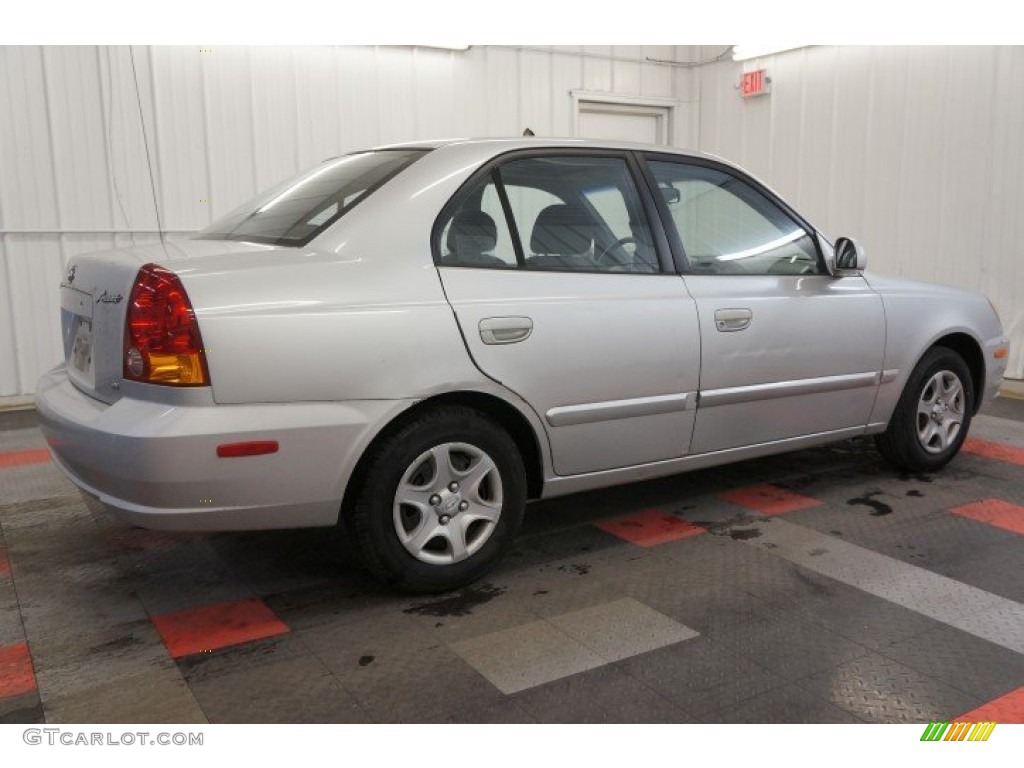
{"x": 918, "y": 152}
{"x": 223, "y": 124}
{"x": 914, "y": 151}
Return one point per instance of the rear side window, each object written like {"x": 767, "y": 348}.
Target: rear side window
{"x": 295, "y": 212}
{"x": 477, "y": 234}
{"x": 729, "y": 228}
{"x": 571, "y": 214}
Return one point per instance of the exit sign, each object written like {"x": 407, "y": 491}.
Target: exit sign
{"x": 756, "y": 83}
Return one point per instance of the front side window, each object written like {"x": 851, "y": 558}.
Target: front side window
{"x": 571, "y": 214}
{"x": 729, "y": 228}
{"x": 295, "y": 212}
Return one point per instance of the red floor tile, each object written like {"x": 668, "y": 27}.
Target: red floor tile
{"x": 18, "y": 458}
{"x": 16, "y": 676}
{"x": 5, "y": 564}
{"x": 769, "y": 499}
{"x": 1005, "y": 709}
{"x": 649, "y": 528}
{"x": 217, "y": 626}
{"x": 991, "y": 450}
{"x": 997, "y": 512}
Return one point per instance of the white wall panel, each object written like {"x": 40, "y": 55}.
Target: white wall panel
{"x": 224, "y": 123}
{"x": 915, "y": 151}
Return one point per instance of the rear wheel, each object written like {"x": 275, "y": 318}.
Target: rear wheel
{"x": 933, "y": 414}
{"x": 442, "y": 500}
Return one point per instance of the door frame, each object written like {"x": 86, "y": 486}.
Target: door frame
{"x": 600, "y": 101}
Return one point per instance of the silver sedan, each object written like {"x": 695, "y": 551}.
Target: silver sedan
{"x": 411, "y": 342}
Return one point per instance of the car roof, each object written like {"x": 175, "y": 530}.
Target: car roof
{"x": 505, "y": 144}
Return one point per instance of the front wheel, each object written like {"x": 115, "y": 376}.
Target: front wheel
{"x": 933, "y": 414}
{"x": 442, "y": 500}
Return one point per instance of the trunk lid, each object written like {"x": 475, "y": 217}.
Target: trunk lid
{"x": 94, "y": 302}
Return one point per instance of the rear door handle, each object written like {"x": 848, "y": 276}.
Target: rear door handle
{"x": 729, "y": 320}
{"x": 505, "y": 330}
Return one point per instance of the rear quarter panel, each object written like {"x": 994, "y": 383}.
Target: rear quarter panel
{"x": 360, "y": 313}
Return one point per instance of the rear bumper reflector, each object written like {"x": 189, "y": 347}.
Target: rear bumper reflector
{"x": 250, "y": 448}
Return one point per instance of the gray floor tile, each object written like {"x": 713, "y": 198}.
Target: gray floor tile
{"x": 701, "y": 675}
{"x": 526, "y": 655}
{"x": 423, "y": 685}
{"x": 969, "y": 663}
{"x": 621, "y": 628}
{"x": 70, "y": 662}
{"x": 793, "y": 648}
{"x": 877, "y": 689}
{"x": 786, "y": 704}
{"x": 602, "y": 695}
{"x": 24, "y": 709}
{"x": 148, "y": 697}
{"x": 293, "y": 690}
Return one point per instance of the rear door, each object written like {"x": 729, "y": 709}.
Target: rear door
{"x": 788, "y": 350}
{"x": 563, "y": 289}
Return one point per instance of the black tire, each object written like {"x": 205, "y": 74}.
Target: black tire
{"x": 372, "y": 515}
{"x": 900, "y": 443}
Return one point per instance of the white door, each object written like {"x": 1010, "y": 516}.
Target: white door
{"x": 623, "y": 122}
{"x": 786, "y": 349}
{"x": 572, "y": 308}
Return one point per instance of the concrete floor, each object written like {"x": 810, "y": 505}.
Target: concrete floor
{"x": 818, "y": 586}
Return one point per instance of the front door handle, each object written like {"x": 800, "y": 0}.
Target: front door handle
{"x": 729, "y": 320}
{"x": 505, "y": 330}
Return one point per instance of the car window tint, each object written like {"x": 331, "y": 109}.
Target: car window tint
{"x": 579, "y": 214}
{"x": 477, "y": 234}
{"x": 728, "y": 227}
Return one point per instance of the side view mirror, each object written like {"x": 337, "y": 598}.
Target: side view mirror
{"x": 849, "y": 257}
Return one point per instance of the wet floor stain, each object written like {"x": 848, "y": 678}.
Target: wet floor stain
{"x": 742, "y": 534}
{"x": 366, "y": 660}
{"x": 116, "y": 645}
{"x": 739, "y": 528}
{"x": 540, "y": 592}
{"x": 878, "y": 508}
{"x": 580, "y": 569}
{"x": 461, "y": 603}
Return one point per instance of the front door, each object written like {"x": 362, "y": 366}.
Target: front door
{"x": 564, "y": 295}
{"x": 787, "y": 350}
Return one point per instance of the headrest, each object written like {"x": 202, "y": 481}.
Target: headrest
{"x": 563, "y": 230}
{"x": 472, "y": 232}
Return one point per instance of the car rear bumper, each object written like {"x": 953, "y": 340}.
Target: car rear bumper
{"x": 156, "y": 465}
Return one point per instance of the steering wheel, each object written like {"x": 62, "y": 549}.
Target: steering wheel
{"x": 614, "y": 246}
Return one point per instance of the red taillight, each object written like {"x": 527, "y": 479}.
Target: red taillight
{"x": 162, "y": 344}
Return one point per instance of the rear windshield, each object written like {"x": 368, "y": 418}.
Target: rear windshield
{"x": 295, "y": 212}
